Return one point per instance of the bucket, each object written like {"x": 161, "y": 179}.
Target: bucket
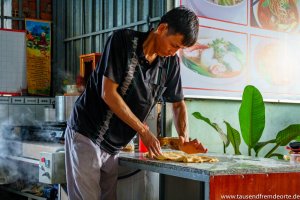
{"x": 64, "y": 106}
{"x": 49, "y": 115}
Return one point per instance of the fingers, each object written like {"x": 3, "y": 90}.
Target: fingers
{"x": 181, "y": 140}
{"x": 152, "y": 144}
{"x": 154, "y": 151}
{"x": 156, "y": 148}
{"x": 150, "y": 153}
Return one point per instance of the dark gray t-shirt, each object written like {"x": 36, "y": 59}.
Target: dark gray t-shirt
{"x": 141, "y": 85}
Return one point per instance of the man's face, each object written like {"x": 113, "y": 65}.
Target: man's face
{"x": 167, "y": 44}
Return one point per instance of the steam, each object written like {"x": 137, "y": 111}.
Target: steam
{"x": 64, "y": 78}
{"x": 12, "y": 132}
{"x": 9, "y": 171}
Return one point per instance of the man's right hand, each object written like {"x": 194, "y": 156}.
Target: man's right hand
{"x": 151, "y": 142}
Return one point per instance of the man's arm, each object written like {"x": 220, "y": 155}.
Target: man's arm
{"x": 115, "y": 102}
{"x": 180, "y": 119}
{"x": 181, "y": 124}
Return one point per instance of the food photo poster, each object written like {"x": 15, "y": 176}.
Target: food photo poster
{"x": 240, "y": 43}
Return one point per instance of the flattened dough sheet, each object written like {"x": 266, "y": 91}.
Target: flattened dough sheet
{"x": 182, "y": 157}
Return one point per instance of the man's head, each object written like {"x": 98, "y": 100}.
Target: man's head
{"x": 177, "y": 29}
{"x": 182, "y": 21}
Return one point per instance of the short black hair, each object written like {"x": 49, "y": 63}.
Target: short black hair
{"x": 183, "y": 21}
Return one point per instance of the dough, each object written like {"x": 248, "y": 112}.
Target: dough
{"x": 182, "y": 157}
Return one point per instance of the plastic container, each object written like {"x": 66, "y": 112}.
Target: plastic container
{"x": 49, "y": 114}
{"x": 142, "y": 147}
{"x": 295, "y": 159}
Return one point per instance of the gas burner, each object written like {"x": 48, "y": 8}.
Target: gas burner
{"x": 46, "y": 132}
{"x": 55, "y": 124}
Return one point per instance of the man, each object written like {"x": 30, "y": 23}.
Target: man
{"x": 136, "y": 69}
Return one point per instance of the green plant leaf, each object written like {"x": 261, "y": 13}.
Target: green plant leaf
{"x": 215, "y": 126}
{"x": 284, "y": 137}
{"x": 252, "y": 116}
{"x": 278, "y": 155}
{"x": 234, "y": 137}
{"x": 260, "y": 145}
{"x": 288, "y": 134}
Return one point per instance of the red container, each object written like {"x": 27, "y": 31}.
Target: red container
{"x": 142, "y": 147}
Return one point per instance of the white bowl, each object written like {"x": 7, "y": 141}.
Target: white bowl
{"x": 211, "y": 10}
{"x": 284, "y": 29}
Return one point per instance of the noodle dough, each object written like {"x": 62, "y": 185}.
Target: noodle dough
{"x": 182, "y": 157}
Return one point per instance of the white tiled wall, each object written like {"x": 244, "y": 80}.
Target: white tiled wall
{"x": 12, "y": 61}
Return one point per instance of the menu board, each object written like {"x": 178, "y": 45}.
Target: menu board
{"x": 244, "y": 42}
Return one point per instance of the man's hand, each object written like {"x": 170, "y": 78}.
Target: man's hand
{"x": 191, "y": 147}
{"x": 150, "y": 141}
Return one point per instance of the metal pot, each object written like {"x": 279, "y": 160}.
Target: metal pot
{"x": 64, "y": 107}
{"x": 49, "y": 115}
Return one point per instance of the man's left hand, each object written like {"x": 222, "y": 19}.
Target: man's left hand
{"x": 191, "y": 147}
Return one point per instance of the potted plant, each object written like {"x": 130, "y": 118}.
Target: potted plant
{"x": 252, "y": 124}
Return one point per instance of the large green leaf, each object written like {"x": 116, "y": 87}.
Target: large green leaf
{"x": 284, "y": 137}
{"x": 214, "y": 126}
{"x": 260, "y": 145}
{"x": 252, "y": 116}
{"x": 288, "y": 134}
{"x": 278, "y": 155}
{"x": 234, "y": 137}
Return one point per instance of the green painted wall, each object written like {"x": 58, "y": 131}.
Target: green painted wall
{"x": 278, "y": 116}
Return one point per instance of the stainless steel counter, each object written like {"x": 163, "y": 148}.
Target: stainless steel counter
{"x": 227, "y": 165}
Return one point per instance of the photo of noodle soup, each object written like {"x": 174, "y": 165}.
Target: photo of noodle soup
{"x": 276, "y": 62}
{"x": 225, "y": 2}
{"x": 214, "y": 58}
{"x": 233, "y": 11}
{"x": 279, "y": 15}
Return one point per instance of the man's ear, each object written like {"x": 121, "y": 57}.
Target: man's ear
{"x": 163, "y": 27}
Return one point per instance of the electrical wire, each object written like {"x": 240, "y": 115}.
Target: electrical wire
{"x": 129, "y": 175}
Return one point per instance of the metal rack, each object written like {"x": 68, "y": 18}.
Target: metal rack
{"x": 29, "y": 196}
{"x": 11, "y": 190}
{"x": 35, "y": 166}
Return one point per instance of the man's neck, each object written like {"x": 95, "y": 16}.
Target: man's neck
{"x": 149, "y": 47}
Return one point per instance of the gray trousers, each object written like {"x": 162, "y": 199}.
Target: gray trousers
{"x": 91, "y": 172}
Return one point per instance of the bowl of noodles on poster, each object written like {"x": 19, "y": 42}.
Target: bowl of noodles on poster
{"x": 215, "y": 58}
{"x": 277, "y": 62}
{"x": 278, "y": 15}
{"x": 219, "y": 9}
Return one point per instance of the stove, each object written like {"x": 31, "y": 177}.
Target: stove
{"x": 52, "y": 132}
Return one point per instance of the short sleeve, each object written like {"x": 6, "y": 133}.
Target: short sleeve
{"x": 114, "y": 57}
{"x": 173, "y": 92}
